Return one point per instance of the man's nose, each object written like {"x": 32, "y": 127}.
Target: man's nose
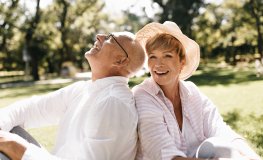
{"x": 100, "y": 37}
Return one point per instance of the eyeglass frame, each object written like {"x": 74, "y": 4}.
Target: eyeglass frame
{"x": 112, "y": 35}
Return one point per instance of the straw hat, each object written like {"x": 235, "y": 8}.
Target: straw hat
{"x": 191, "y": 47}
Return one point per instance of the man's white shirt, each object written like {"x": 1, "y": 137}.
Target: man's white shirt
{"x": 97, "y": 120}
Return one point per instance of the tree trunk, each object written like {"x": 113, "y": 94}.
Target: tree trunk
{"x": 64, "y": 48}
{"x": 29, "y": 43}
{"x": 255, "y": 10}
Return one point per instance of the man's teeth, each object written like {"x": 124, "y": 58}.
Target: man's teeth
{"x": 97, "y": 47}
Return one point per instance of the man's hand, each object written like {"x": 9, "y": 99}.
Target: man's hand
{"x": 12, "y": 145}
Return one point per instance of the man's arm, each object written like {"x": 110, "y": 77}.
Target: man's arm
{"x": 37, "y": 111}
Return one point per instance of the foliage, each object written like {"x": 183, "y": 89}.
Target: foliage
{"x": 226, "y": 29}
{"x": 247, "y": 126}
{"x": 51, "y": 44}
{"x": 180, "y": 11}
{"x": 66, "y": 29}
{"x": 10, "y": 43}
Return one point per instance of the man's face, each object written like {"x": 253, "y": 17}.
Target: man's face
{"x": 105, "y": 51}
{"x": 115, "y": 38}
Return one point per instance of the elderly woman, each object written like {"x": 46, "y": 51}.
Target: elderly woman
{"x": 177, "y": 121}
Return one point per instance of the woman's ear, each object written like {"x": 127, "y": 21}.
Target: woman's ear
{"x": 183, "y": 63}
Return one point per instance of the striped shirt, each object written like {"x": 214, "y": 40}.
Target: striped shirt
{"x": 159, "y": 133}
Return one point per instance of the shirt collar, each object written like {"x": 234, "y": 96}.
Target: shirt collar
{"x": 150, "y": 86}
{"x": 184, "y": 89}
{"x": 104, "y": 82}
{"x": 153, "y": 88}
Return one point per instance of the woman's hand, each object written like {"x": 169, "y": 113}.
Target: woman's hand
{"x": 12, "y": 145}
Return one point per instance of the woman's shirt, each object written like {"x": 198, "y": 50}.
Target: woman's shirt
{"x": 159, "y": 134}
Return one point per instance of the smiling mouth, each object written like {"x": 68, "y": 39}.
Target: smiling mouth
{"x": 96, "y": 45}
{"x": 161, "y": 73}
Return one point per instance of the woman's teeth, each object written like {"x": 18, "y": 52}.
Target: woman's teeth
{"x": 161, "y": 72}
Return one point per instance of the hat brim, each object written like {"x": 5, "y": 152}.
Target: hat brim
{"x": 192, "y": 49}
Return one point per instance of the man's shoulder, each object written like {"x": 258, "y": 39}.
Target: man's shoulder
{"x": 77, "y": 85}
{"x": 115, "y": 93}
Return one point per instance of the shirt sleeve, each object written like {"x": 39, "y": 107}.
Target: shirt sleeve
{"x": 36, "y": 111}
{"x": 33, "y": 152}
{"x": 155, "y": 140}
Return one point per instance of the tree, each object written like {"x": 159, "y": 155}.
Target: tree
{"x": 8, "y": 29}
{"x": 78, "y": 20}
{"x": 62, "y": 31}
{"x": 256, "y": 9}
{"x": 226, "y": 30}
{"x": 30, "y": 45}
{"x": 180, "y": 11}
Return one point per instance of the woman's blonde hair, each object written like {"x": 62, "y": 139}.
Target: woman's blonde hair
{"x": 165, "y": 42}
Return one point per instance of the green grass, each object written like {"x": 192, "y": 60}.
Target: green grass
{"x": 237, "y": 93}
{"x": 245, "y": 97}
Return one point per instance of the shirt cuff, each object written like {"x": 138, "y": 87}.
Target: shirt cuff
{"x": 169, "y": 154}
{"x": 33, "y": 152}
{"x": 5, "y": 127}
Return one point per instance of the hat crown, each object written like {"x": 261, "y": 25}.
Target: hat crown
{"x": 173, "y": 27}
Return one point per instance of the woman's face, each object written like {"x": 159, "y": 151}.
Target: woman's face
{"x": 165, "y": 66}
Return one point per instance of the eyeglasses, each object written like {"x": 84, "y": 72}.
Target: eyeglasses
{"x": 111, "y": 35}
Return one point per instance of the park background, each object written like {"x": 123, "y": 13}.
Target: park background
{"x": 42, "y": 43}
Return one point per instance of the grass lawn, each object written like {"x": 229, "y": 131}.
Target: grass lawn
{"x": 245, "y": 97}
{"x": 237, "y": 93}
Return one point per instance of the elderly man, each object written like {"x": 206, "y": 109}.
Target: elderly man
{"x": 97, "y": 118}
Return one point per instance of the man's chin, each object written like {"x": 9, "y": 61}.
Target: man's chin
{"x": 91, "y": 52}
{"x": 88, "y": 53}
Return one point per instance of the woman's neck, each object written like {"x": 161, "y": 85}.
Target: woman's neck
{"x": 171, "y": 91}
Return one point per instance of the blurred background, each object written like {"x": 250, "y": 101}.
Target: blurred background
{"x": 42, "y": 46}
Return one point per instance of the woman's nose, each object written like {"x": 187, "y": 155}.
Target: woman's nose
{"x": 159, "y": 62}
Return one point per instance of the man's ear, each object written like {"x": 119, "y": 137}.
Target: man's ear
{"x": 121, "y": 61}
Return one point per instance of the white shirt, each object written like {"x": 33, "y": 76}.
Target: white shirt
{"x": 97, "y": 120}
{"x": 159, "y": 133}
{"x": 192, "y": 142}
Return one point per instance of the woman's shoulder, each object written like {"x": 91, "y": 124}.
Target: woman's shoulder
{"x": 141, "y": 86}
{"x": 189, "y": 87}
{"x": 144, "y": 88}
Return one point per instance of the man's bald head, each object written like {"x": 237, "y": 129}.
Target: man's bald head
{"x": 115, "y": 54}
{"x": 136, "y": 55}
